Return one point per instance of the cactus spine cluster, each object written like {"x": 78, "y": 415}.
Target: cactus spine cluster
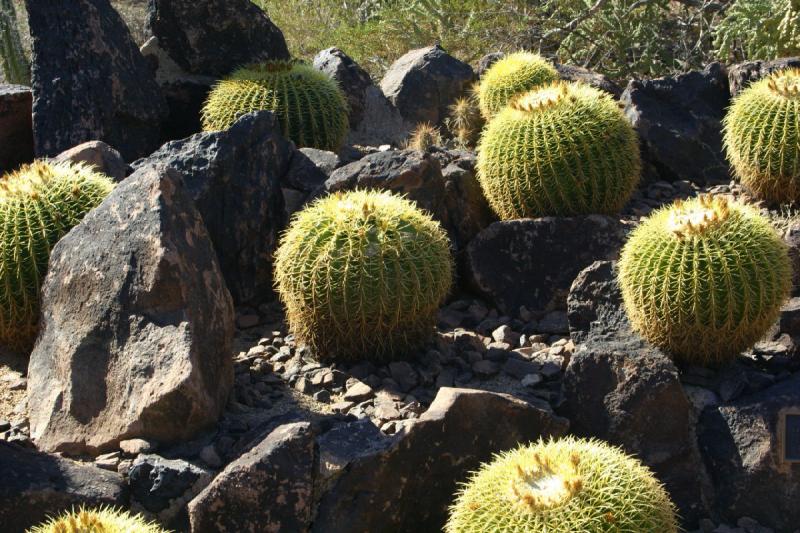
{"x": 309, "y": 105}
{"x": 14, "y": 65}
{"x": 424, "y": 137}
{"x": 362, "y": 275}
{"x": 762, "y": 136}
{"x": 512, "y": 75}
{"x": 39, "y": 204}
{"x": 102, "y": 520}
{"x": 562, "y": 486}
{"x": 565, "y": 149}
{"x": 704, "y": 279}
{"x": 464, "y": 121}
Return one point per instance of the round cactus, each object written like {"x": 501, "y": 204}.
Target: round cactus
{"x": 362, "y": 275}
{"x": 424, "y": 137}
{"x": 565, "y": 149}
{"x": 512, "y": 75}
{"x": 102, "y": 520}
{"x": 704, "y": 279}
{"x": 39, "y": 204}
{"x": 762, "y": 136}
{"x": 309, "y": 105}
{"x": 562, "y": 486}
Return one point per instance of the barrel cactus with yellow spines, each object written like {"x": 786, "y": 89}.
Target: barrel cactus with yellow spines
{"x": 102, "y": 520}
{"x": 762, "y": 136}
{"x": 512, "y": 75}
{"x": 565, "y": 149}
{"x": 362, "y": 275}
{"x": 39, "y": 204}
{"x": 704, "y": 279}
{"x": 562, "y": 486}
{"x": 309, "y": 105}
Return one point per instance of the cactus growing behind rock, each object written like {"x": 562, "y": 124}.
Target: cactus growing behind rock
{"x": 762, "y": 136}
{"x": 39, "y": 204}
{"x": 309, "y": 105}
{"x": 465, "y": 121}
{"x": 562, "y": 486}
{"x": 510, "y": 76}
{"x": 362, "y": 274}
{"x": 704, "y": 279}
{"x": 564, "y": 149}
{"x": 102, "y": 520}
{"x": 424, "y": 137}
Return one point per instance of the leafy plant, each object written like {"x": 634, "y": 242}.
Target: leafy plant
{"x": 759, "y": 29}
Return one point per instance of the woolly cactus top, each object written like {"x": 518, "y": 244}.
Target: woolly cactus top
{"x": 512, "y": 75}
{"x": 102, "y": 520}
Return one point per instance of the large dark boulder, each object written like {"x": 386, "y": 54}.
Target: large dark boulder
{"x": 594, "y": 304}
{"x": 136, "y": 324}
{"x": 90, "y": 82}
{"x": 743, "y": 74}
{"x": 351, "y": 78}
{"x": 16, "y": 133}
{"x": 234, "y": 177}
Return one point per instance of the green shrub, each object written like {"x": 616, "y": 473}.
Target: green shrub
{"x": 102, "y": 520}
{"x": 759, "y": 29}
{"x": 512, "y": 75}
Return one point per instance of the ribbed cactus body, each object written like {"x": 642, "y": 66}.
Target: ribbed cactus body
{"x": 704, "y": 279}
{"x": 762, "y": 136}
{"x": 13, "y": 62}
{"x": 563, "y": 486}
{"x": 39, "y": 204}
{"x": 102, "y": 520}
{"x": 512, "y": 75}
{"x": 362, "y": 274}
{"x": 309, "y": 105}
{"x": 564, "y": 149}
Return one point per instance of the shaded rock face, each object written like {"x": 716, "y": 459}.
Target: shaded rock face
{"x": 90, "y": 82}
{"x": 352, "y": 79}
{"x": 423, "y": 83}
{"x": 743, "y": 74}
{"x": 486, "y": 62}
{"x": 791, "y": 236}
{"x": 100, "y": 156}
{"x": 269, "y": 488}
{"x": 16, "y": 129}
{"x": 467, "y": 208}
{"x": 35, "y": 486}
{"x": 679, "y": 123}
{"x": 594, "y": 304}
{"x": 589, "y": 77}
{"x": 532, "y": 262}
{"x": 234, "y": 178}
{"x": 136, "y": 325}
{"x": 741, "y": 444}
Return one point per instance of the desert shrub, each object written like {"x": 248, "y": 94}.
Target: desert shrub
{"x": 759, "y": 29}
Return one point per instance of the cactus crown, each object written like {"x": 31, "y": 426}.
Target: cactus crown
{"x": 309, "y": 105}
{"x": 512, "y": 75}
{"x": 102, "y": 520}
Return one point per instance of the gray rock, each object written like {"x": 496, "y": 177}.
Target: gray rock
{"x": 791, "y": 236}
{"x": 324, "y": 160}
{"x": 468, "y": 212}
{"x": 137, "y": 325}
{"x": 589, "y": 77}
{"x": 269, "y": 488}
{"x": 486, "y": 62}
{"x": 16, "y": 129}
{"x": 305, "y": 174}
{"x": 594, "y": 304}
{"x": 351, "y": 78}
{"x": 404, "y": 374}
{"x": 741, "y": 75}
{"x": 358, "y": 391}
{"x": 90, "y": 82}
{"x": 99, "y": 155}
{"x": 156, "y": 482}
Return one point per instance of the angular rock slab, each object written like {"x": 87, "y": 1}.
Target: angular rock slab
{"x": 234, "y": 178}
{"x": 35, "y": 486}
{"x": 98, "y": 155}
{"x": 594, "y": 304}
{"x": 90, "y": 82}
{"x": 743, "y": 74}
{"x": 136, "y": 327}
{"x": 16, "y": 128}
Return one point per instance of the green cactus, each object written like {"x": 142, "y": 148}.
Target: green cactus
{"x": 512, "y": 75}
{"x": 704, "y": 279}
{"x": 564, "y": 149}
{"x": 362, "y": 275}
{"x": 14, "y": 65}
{"x": 465, "y": 121}
{"x": 309, "y": 105}
{"x": 424, "y": 137}
{"x": 762, "y": 136}
{"x": 39, "y": 204}
{"x": 562, "y": 486}
{"x": 102, "y": 520}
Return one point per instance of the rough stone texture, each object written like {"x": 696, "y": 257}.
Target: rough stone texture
{"x": 16, "y": 133}
{"x": 486, "y": 62}
{"x": 679, "y": 122}
{"x": 90, "y": 82}
{"x": 468, "y": 210}
{"x": 382, "y": 122}
{"x": 352, "y": 79}
{"x": 589, "y": 77}
{"x": 532, "y": 262}
{"x": 791, "y": 236}
{"x": 408, "y": 483}
{"x": 423, "y": 83}
{"x": 35, "y": 486}
{"x": 267, "y": 489}
{"x": 212, "y": 37}
{"x": 743, "y": 74}
{"x": 234, "y": 178}
{"x": 137, "y": 325}
{"x": 99, "y": 155}
{"x": 164, "y": 486}
{"x": 742, "y": 449}
{"x": 594, "y": 304}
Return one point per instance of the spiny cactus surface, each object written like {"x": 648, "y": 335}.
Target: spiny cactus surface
{"x": 762, "y": 136}
{"x": 704, "y": 279}
{"x": 362, "y": 274}
{"x": 512, "y": 75}
{"x": 564, "y": 149}
{"x": 464, "y": 121}
{"x": 562, "y": 486}
{"x": 424, "y": 137}
{"x": 309, "y": 105}
{"x": 39, "y": 204}
{"x": 102, "y": 520}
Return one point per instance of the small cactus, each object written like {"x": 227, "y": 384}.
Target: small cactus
{"x": 762, "y": 136}
{"x": 309, "y": 105}
{"x": 362, "y": 275}
{"x": 424, "y": 137}
{"x": 564, "y": 149}
{"x": 562, "y": 486}
{"x": 39, "y": 204}
{"x": 512, "y": 75}
{"x": 465, "y": 121}
{"x": 704, "y": 279}
{"x": 102, "y": 520}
